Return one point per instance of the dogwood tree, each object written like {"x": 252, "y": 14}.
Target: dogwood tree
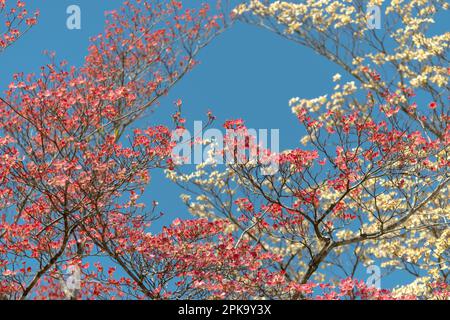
{"x": 16, "y": 20}
{"x": 71, "y": 174}
{"x": 369, "y": 184}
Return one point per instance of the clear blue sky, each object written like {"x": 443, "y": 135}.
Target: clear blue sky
{"x": 246, "y": 73}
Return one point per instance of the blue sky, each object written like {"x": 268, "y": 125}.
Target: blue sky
{"x": 246, "y": 73}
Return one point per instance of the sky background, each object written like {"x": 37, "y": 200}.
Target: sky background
{"x": 246, "y": 73}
